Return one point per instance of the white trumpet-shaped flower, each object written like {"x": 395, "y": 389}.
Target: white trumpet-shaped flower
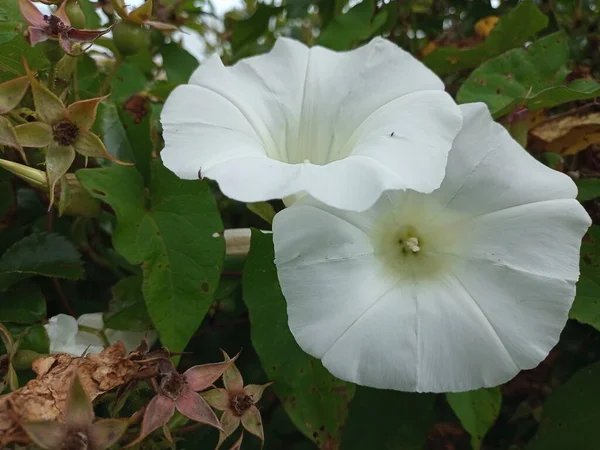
{"x": 83, "y": 335}
{"x": 448, "y": 291}
{"x": 342, "y": 127}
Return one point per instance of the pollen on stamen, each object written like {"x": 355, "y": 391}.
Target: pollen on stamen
{"x": 412, "y": 244}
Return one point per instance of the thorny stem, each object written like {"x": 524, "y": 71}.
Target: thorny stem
{"x": 106, "y": 83}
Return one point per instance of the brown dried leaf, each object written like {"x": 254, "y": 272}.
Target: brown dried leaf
{"x": 569, "y": 134}
{"x": 45, "y": 398}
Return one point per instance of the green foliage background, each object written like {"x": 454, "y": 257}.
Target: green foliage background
{"x": 149, "y": 257}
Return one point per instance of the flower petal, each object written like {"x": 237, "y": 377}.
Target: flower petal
{"x": 58, "y": 160}
{"x": 256, "y": 390}
{"x": 201, "y": 377}
{"x": 48, "y": 106}
{"x": 61, "y": 13}
{"x": 278, "y": 110}
{"x": 230, "y": 423}
{"x": 232, "y": 378}
{"x": 192, "y": 405}
{"x": 158, "y": 412}
{"x": 489, "y": 171}
{"x": 107, "y": 432}
{"x": 90, "y": 145}
{"x": 313, "y": 244}
{"x": 79, "y": 411}
{"x": 83, "y": 112}
{"x": 61, "y": 330}
{"x": 36, "y": 35}
{"x": 48, "y": 435}
{"x": 34, "y": 134}
{"x": 31, "y": 14}
{"x": 217, "y": 398}
{"x": 8, "y": 134}
{"x": 252, "y": 422}
{"x": 12, "y": 92}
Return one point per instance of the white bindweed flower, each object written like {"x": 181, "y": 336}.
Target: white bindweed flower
{"x": 342, "y": 127}
{"x": 66, "y": 336}
{"x": 448, "y": 291}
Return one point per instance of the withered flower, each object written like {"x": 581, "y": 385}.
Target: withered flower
{"x": 62, "y": 131}
{"x": 11, "y": 94}
{"x": 55, "y": 26}
{"x": 79, "y": 432}
{"x": 140, "y": 15}
{"x": 238, "y": 403}
{"x": 180, "y": 391}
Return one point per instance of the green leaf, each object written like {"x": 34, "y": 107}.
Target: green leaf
{"x": 315, "y": 400}
{"x": 393, "y": 420}
{"x": 33, "y": 337}
{"x": 11, "y": 52}
{"x": 533, "y": 77}
{"x": 357, "y": 25}
{"x": 477, "y": 411}
{"x": 589, "y": 189}
{"x": 127, "y": 309}
{"x": 23, "y": 303}
{"x": 264, "y": 210}
{"x": 571, "y": 415}
{"x": 129, "y": 80}
{"x": 513, "y": 30}
{"x": 11, "y": 22}
{"x": 169, "y": 228}
{"x": 92, "y": 20}
{"x": 586, "y": 307}
{"x": 248, "y": 30}
{"x": 46, "y": 254}
{"x": 127, "y": 135}
{"x": 178, "y": 63}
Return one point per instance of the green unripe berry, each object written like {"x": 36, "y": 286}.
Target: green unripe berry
{"x": 75, "y": 14}
{"x": 129, "y": 38}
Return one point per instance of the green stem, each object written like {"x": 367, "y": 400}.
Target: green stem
{"x": 109, "y": 77}
{"x": 95, "y": 332}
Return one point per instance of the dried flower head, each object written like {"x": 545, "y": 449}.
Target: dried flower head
{"x": 238, "y": 403}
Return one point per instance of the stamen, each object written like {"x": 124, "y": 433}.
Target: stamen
{"x": 412, "y": 244}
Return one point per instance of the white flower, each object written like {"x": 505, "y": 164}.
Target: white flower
{"x": 66, "y": 336}
{"x": 448, "y": 291}
{"x": 343, "y": 127}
